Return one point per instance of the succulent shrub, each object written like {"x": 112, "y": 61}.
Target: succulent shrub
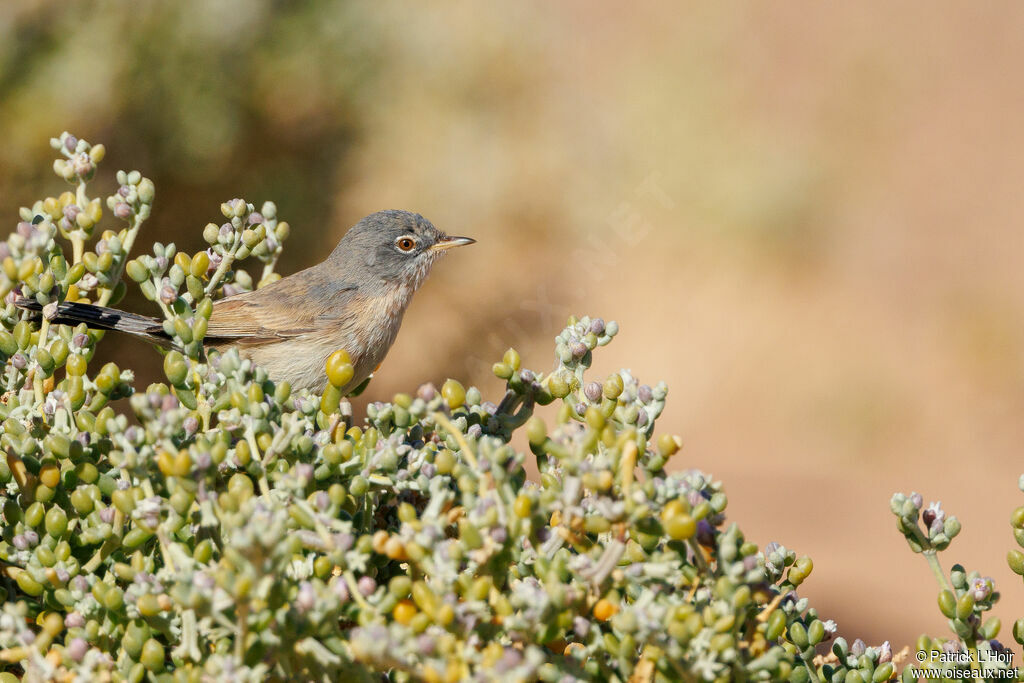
{"x": 219, "y": 526}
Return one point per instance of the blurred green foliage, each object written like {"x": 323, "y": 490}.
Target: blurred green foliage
{"x": 207, "y": 95}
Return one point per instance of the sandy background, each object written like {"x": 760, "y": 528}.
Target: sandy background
{"x": 806, "y": 218}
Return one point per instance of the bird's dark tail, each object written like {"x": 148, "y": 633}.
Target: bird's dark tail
{"x": 100, "y": 318}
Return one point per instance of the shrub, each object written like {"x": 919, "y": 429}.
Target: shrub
{"x": 231, "y": 528}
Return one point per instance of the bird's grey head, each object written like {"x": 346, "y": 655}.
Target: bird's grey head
{"x": 394, "y": 247}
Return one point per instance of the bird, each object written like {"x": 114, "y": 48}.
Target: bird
{"x": 353, "y": 300}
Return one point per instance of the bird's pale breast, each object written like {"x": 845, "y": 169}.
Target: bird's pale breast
{"x": 366, "y": 330}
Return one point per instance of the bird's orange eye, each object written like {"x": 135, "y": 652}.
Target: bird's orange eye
{"x": 405, "y": 243}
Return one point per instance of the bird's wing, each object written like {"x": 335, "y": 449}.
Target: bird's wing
{"x": 278, "y": 311}
{"x": 240, "y": 320}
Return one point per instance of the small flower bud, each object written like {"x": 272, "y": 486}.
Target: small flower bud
{"x": 168, "y": 294}
{"x": 147, "y": 191}
{"x": 367, "y": 585}
{"x": 83, "y": 165}
{"x": 210, "y": 233}
{"x": 340, "y": 588}
{"x": 77, "y": 649}
{"x": 427, "y": 392}
{"x": 933, "y": 515}
{"x": 306, "y": 599}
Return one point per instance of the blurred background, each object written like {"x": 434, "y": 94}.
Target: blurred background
{"x": 806, "y": 218}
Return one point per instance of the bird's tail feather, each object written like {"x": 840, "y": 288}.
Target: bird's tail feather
{"x": 100, "y": 318}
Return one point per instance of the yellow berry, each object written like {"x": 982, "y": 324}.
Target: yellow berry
{"x": 680, "y": 527}
{"x": 674, "y": 508}
{"x": 199, "y": 264}
{"x": 76, "y": 365}
{"x": 49, "y": 475}
{"x": 536, "y": 431}
{"x": 668, "y": 444}
{"x": 454, "y": 393}
{"x": 339, "y": 368}
{"x": 523, "y": 506}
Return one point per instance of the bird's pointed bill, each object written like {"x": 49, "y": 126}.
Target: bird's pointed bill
{"x": 449, "y": 242}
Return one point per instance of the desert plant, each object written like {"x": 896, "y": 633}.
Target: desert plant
{"x": 230, "y": 528}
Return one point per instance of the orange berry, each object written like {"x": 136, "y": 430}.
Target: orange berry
{"x": 395, "y": 549}
{"x": 605, "y": 609}
{"x": 380, "y": 538}
{"x": 404, "y": 611}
